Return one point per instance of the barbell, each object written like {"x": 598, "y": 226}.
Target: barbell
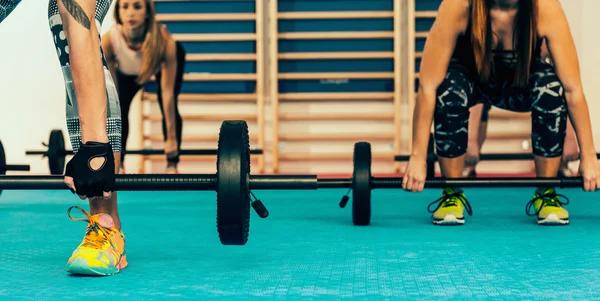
{"x": 234, "y": 183}
{"x": 57, "y": 152}
{"x": 9, "y": 167}
{"x": 432, "y": 157}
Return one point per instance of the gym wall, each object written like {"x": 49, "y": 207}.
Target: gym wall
{"x": 311, "y": 131}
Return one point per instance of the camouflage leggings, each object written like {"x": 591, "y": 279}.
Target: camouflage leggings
{"x": 543, "y": 97}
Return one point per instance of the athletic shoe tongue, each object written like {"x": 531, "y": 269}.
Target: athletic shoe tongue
{"x": 105, "y": 220}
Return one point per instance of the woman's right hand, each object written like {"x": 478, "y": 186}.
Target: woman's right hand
{"x": 472, "y": 156}
{"x": 415, "y": 175}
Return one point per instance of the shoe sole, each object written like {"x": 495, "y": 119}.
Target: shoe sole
{"x": 552, "y": 219}
{"x": 79, "y": 266}
{"x": 449, "y": 220}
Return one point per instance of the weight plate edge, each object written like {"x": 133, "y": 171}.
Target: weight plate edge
{"x": 233, "y": 170}
{"x": 361, "y": 184}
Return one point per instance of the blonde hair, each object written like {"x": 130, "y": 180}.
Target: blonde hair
{"x": 525, "y": 33}
{"x": 154, "y": 45}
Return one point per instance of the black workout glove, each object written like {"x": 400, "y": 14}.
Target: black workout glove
{"x": 89, "y": 182}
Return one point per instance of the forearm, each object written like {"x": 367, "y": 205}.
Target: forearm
{"x": 88, "y": 76}
{"x": 422, "y": 120}
{"x": 580, "y": 118}
{"x": 169, "y": 111}
{"x": 474, "y": 124}
{"x": 87, "y": 72}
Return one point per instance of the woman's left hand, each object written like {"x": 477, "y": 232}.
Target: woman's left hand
{"x": 171, "y": 148}
{"x": 589, "y": 169}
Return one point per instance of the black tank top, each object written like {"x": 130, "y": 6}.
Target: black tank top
{"x": 504, "y": 60}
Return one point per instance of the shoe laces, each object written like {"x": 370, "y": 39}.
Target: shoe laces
{"x": 550, "y": 199}
{"x": 450, "y": 200}
{"x": 96, "y": 236}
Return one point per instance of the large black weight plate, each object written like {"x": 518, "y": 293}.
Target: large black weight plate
{"x": 233, "y": 172}
{"x": 361, "y": 184}
{"x": 2, "y": 161}
{"x": 56, "y": 152}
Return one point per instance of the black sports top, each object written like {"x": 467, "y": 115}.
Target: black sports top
{"x": 504, "y": 60}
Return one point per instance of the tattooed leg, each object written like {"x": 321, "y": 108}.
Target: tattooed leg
{"x": 85, "y": 59}
{"x": 88, "y": 84}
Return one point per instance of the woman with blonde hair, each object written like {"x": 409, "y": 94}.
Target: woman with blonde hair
{"x": 137, "y": 47}
{"x": 490, "y": 51}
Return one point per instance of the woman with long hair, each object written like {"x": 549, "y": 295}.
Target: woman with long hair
{"x": 489, "y": 51}
{"x": 137, "y": 48}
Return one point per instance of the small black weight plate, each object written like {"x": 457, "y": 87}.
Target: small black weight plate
{"x": 2, "y": 161}
{"x": 233, "y": 175}
{"x": 361, "y": 184}
{"x": 56, "y": 152}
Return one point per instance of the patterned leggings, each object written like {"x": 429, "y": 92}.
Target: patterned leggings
{"x": 113, "y": 118}
{"x": 113, "y": 121}
{"x": 543, "y": 97}
{"x": 6, "y": 7}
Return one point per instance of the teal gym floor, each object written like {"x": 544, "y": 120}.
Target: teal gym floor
{"x": 307, "y": 249}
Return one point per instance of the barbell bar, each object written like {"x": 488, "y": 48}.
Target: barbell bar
{"x": 198, "y": 152}
{"x": 234, "y": 183}
{"x": 432, "y": 157}
{"x": 482, "y": 157}
{"x": 57, "y": 152}
{"x": 488, "y": 157}
{"x": 208, "y": 182}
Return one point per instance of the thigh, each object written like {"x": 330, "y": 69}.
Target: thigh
{"x": 454, "y": 97}
{"x": 544, "y": 83}
{"x": 456, "y": 90}
{"x": 181, "y": 54}
{"x": 128, "y": 88}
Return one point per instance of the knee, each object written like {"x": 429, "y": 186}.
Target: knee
{"x": 549, "y": 115}
{"x": 452, "y": 99}
{"x": 548, "y": 96}
{"x": 451, "y": 115}
{"x": 452, "y": 96}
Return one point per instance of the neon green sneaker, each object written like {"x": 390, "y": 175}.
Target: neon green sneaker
{"x": 548, "y": 208}
{"x": 451, "y": 208}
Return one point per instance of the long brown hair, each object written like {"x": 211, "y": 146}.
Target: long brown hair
{"x": 154, "y": 46}
{"x": 524, "y": 36}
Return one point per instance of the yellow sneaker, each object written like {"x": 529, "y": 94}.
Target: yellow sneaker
{"x": 548, "y": 208}
{"x": 451, "y": 208}
{"x": 102, "y": 251}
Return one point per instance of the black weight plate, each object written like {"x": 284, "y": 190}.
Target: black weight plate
{"x": 2, "y": 161}
{"x": 361, "y": 184}
{"x": 56, "y": 152}
{"x": 233, "y": 173}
